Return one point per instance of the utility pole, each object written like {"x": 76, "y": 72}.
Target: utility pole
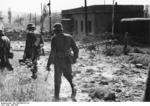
{"x": 86, "y": 17}
{"x": 41, "y": 17}
{"x": 49, "y": 5}
{"x": 35, "y": 19}
{"x": 41, "y": 9}
{"x": 18, "y": 20}
{"x": 30, "y": 17}
{"x": 113, "y": 17}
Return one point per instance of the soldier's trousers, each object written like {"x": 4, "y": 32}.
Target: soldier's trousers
{"x": 35, "y": 56}
{"x": 4, "y": 61}
{"x": 60, "y": 69}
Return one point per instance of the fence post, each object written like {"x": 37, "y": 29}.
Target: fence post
{"x": 126, "y": 43}
{"x": 147, "y": 87}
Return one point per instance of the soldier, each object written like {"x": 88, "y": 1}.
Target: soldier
{"x": 34, "y": 42}
{"x": 5, "y": 51}
{"x": 30, "y": 40}
{"x": 62, "y": 58}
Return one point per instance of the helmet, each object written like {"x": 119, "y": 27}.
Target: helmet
{"x": 31, "y": 26}
{"x": 58, "y": 27}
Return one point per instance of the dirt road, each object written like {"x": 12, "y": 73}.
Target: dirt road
{"x": 97, "y": 78}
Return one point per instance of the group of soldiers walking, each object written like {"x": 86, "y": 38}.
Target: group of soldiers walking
{"x": 64, "y": 53}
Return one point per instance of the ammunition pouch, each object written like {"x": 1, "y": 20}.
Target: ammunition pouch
{"x": 70, "y": 59}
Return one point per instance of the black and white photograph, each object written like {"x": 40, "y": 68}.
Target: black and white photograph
{"x": 74, "y": 51}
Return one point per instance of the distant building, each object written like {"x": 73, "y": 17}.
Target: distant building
{"x": 99, "y": 18}
{"x": 138, "y": 29}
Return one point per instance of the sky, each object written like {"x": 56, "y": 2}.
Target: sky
{"x": 32, "y": 6}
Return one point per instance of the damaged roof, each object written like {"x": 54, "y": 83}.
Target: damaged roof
{"x": 134, "y": 19}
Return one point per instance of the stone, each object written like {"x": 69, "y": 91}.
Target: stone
{"x": 118, "y": 90}
{"x": 104, "y": 82}
{"x": 139, "y": 65}
{"x": 110, "y": 97}
{"x": 98, "y": 92}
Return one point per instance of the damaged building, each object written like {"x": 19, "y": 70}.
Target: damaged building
{"x": 138, "y": 29}
{"x": 99, "y": 18}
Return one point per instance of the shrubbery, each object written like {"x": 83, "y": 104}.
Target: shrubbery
{"x": 143, "y": 59}
{"x": 116, "y": 50}
{"x": 136, "y": 56}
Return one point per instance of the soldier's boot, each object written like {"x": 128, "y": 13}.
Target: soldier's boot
{"x": 74, "y": 92}
{"x": 22, "y": 61}
{"x": 34, "y": 76}
{"x": 34, "y": 72}
{"x": 34, "y": 69}
{"x": 57, "y": 91}
{"x": 2, "y": 64}
{"x": 6, "y": 63}
{"x": 9, "y": 67}
{"x": 69, "y": 77}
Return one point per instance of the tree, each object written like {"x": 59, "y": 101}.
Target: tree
{"x": 44, "y": 15}
{"x": 9, "y": 15}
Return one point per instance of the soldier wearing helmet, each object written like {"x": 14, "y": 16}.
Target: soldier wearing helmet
{"x": 30, "y": 39}
{"x": 32, "y": 48}
{"x": 5, "y": 53}
{"x": 62, "y": 46}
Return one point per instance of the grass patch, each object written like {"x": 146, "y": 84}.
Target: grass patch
{"x": 116, "y": 50}
{"x": 143, "y": 59}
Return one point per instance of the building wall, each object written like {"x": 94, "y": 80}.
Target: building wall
{"x": 103, "y": 23}
{"x": 79, "y": 25}
{"x": 148, "y": 35}
{"x": 67, "y": 25}
{"x": 104, "y": 19}
{"x": 139, "y": 31}
{"x": 101, "y": 18}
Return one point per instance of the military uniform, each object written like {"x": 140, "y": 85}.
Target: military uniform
{"x": 30, "y": 40}
{"x": 5, "y": 51}
{"x": 62, "y": 58}
{"x": 33, "y": 47}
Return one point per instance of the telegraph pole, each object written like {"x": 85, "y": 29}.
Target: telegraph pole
{"x": 86, "y": 17}
{"x": 30, "y": 18}
{"x": 18, "y": 20}
{"x": 113, "y": 16}
{"x": 41, "y": 17}
{"x": 49, "y": 5}
{"x": 41, "y": 9}
{"x": 35, "y": 19}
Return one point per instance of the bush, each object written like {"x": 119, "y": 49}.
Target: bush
{"x": 143, "y": 59}
{"x": 88, "y": 39}
{"x": 116, "y": 50}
